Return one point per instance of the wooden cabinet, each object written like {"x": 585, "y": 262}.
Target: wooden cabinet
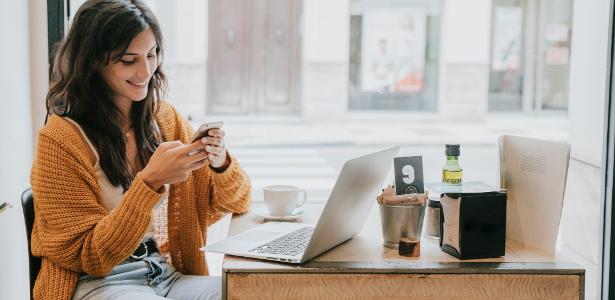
{"x": 362, "y": 268}
{"x": 378, "y": 283}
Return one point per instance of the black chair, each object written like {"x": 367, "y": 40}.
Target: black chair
{"x": 27, "y": 202}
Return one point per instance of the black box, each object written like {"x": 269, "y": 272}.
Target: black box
{"x": 482, "y": 224}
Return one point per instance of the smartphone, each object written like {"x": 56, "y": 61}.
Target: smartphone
{"x": 204, "y": 129}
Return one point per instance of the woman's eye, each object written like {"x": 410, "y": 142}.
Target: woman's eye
{"x": 127, "y": 62}
{"x": 151, "y": 56}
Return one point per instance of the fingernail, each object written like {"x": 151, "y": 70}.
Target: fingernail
{"x": 204, "y": 140}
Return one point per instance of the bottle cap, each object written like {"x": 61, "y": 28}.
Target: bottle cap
{"x": 452, "y": 150}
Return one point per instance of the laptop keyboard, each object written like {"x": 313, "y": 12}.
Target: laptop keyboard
{"x": 290, "y": 244}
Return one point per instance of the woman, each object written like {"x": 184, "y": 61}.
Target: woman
{"x": 122, "y": 198}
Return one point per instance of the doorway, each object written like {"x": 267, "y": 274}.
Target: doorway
{"x": 254, "y": 56}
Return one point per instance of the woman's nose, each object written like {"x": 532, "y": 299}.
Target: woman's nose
{"x": 144, "y": 69}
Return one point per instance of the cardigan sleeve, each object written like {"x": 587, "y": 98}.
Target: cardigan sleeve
{"x": 231, "y": 191}
{"x": 71, "y": 227}
{"x": 217, "y": 193}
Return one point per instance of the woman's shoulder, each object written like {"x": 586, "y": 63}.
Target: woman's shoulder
{"x": 68, "y": 134}
{"x": 62, "y": 132}
{"x": 59, "y": 128}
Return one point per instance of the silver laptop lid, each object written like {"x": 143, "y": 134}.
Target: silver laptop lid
{"x": 350, "y": 201}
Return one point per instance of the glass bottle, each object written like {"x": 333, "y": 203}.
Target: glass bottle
{"x": 433, "y": 216}
{"x": 452, "y": 171}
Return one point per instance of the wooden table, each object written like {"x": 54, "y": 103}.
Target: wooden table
{"x": 363, "y": 268}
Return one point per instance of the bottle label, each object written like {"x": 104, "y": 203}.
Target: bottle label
{"x": 451, "y": 176}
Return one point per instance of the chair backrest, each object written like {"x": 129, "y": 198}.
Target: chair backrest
{"x": 27, "y": 202}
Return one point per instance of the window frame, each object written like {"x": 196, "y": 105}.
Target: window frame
{"x": 58, "y": 12}
{"x": 608, "y": 254}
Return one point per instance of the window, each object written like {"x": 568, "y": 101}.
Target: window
{"x": 305, "y": 85}
{"x": 530, "y": 55}
{"x": 394, "y": 55}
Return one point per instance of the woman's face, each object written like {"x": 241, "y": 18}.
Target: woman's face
{"x": 129, "y": 76}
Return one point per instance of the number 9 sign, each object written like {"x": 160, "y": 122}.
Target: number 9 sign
{"x": 408, "y": 171}
{"x": 409, "y": 175}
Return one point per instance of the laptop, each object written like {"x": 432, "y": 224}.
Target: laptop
{"x": 343, "y": 217}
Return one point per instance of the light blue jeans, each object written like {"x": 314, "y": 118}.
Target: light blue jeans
{"x": 149, "y": 278}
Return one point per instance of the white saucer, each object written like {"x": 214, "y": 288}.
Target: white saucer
{"x": 263, "y": 213}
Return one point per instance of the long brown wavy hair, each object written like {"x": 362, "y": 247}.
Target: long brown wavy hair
{"x": 78, "y": 90}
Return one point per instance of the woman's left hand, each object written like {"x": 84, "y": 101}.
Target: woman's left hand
{"x": 215, "y": 148}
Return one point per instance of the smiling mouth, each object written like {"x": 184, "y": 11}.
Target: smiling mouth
{"x": 137, "y": 84}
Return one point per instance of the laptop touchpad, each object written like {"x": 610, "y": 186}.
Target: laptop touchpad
{"x": 255, "y": 236}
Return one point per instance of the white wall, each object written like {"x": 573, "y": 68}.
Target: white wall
{"x": 39, "y": 68}
{"x": 466, "y": 31}
{"x": 325, "y": 30}
{"x": 325, "y": 58}
{"x": 588, "y": 70}
{"x": 16, "y": 149}
{"x": 464, "y": 55}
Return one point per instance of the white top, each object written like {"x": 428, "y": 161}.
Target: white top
{"x": 112, "y": 195}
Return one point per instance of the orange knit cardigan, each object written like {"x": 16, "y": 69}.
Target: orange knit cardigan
{"x": 72, "y": 231}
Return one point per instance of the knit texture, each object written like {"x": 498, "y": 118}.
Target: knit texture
{"x": 73, "y": 232}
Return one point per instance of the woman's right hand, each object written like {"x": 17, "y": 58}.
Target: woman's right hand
{"x": 172, "y": 162}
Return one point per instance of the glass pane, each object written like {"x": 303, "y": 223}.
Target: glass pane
{"x": 393, "y": 55}
{"x": 556, "y": 20}
{"x": 506, "y": 74}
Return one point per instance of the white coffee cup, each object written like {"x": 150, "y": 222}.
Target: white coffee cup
{"x": 281, "y": 200}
